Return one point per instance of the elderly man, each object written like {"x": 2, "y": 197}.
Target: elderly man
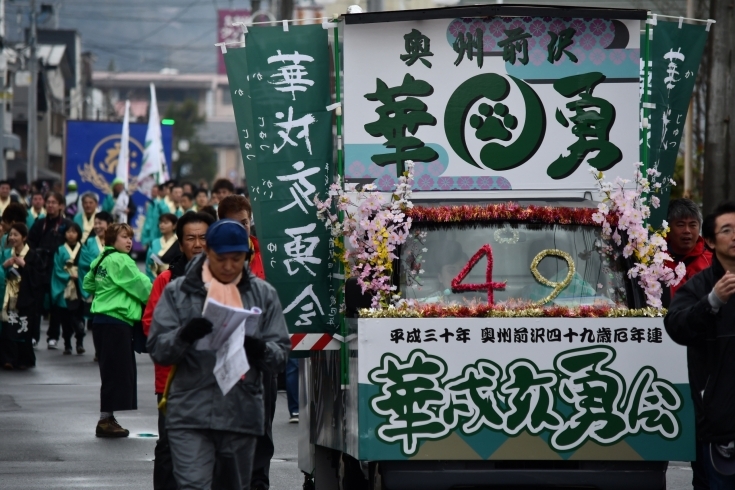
{"x": 203, "y": 424}
{"x": 85, "y": 217}
{"x": 685, "y": 243}
{"x": 687, "y": 246}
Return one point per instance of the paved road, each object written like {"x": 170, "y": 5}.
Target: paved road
{"x": 47, "y": 421}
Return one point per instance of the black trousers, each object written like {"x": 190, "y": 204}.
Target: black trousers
{"x": 264, "y": 449}
{"x": 16, "y": 348}
{"x": 114, "y": 345}
{"x": 54, "y": 325}
{"x": 72, "y": 324}
{"x": 163, "y": 465}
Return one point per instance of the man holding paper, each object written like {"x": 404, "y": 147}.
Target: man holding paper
{"x": 215, "y": 404}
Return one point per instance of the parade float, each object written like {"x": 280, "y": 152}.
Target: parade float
{"x": 470, "y": 260}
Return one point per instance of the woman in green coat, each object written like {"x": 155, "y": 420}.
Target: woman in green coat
{"x": 120, "y": 290}
{"x": 92, "y": 249}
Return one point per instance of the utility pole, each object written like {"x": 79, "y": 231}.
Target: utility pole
{"x": 3, "y": 91}
{"x": 32, "y": 142}
{"x": 719, "y": 153}
{"x": 688, "y": 132}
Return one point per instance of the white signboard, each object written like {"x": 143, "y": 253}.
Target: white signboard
{"x": 491, "y": 104}
{"x": 570, "y": 382}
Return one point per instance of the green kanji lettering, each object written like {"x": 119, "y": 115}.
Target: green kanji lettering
{"x": 559, "y": 43}
{"x": 411, "y": 396}
{"x": 396, "y": 117}
{"x": 592, "y": 122}
{"x": 470, "y": 46}
{"x": 516, "y": 42}
{"x": 417, "y": 46}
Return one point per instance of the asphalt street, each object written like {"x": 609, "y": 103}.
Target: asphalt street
{"x": 48, "y": 417}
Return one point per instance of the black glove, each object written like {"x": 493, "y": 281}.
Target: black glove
{"x": 254, "y": 349}
{"x": 195, "y": 329}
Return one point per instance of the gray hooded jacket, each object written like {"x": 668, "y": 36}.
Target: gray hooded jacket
{"x": 195, "y": 400}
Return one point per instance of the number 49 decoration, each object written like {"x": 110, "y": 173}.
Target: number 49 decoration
{"x": 488, "y": 285}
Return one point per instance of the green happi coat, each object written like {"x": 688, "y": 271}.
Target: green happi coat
{"x": 79, "y": 219}
{"x": 31, "y": 219}
{"x": 60, "y": 276}
{"x": 91, "y": 249}
{"x": 150, "y": 228}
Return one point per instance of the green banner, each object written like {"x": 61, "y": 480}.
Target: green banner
{"x": 675, "y": 53}
{"x": 280, "y": 90}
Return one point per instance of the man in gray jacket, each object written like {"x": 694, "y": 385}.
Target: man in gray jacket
{"x": 203, "y": 424}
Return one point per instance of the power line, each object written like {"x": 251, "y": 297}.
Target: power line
{"x": 156, "y": 31}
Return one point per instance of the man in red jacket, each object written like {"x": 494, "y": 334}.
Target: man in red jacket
{"x": 238, "y": 208}
{"x": 685, "y": 243}
{"x": 687, "y": 246}
{"x": 191, "y": 229}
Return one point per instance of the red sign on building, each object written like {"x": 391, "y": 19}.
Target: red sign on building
{"x": 227, "y": 33}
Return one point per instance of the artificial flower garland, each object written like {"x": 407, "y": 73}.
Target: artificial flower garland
{"x": 503, "y": 212}
{"x": 488, "y": 285}
{"x": 623, "y": 213}
{"x": 483, "y": 310}
{"x": 558, "y": 286}
{"x": 374, "y": 228}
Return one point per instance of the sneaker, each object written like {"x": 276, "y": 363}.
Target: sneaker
{"x": 7, "y": 366}
{"x": 110, "y": 428}
{"x": 52, "y": 344}
{"x": 67, "y": 351}
{"x": 80, "y": 349}
{"x": 294, "y": 418}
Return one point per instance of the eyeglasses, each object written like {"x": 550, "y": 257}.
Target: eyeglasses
{"x": 726, "y": 232}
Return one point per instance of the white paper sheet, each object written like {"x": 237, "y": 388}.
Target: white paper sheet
{"x": 225, "y": 320}
{"x": 232, "y": 363}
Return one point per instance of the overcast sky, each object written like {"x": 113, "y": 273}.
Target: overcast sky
{"x": 149, "y": 35}
{"x": 139, "y": 35}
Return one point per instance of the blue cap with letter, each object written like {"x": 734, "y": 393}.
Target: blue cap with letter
{"x": 227, "y": 236}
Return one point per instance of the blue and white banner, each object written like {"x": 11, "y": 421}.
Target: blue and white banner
{"x": 92, "y": 151}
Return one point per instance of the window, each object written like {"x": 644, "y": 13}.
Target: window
{"x": 432, "y": 257}
{"x": 226, "y": 96}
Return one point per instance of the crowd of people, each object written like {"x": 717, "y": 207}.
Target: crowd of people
{"x": 72, "y": 255}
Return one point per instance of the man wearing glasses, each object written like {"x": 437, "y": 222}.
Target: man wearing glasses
{"x": 702, "y": 318}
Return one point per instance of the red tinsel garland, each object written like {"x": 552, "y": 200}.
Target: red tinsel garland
{"x": 502, "y": 212}
{"x": 484, "y": 310}
{"x": 489, "y": 285}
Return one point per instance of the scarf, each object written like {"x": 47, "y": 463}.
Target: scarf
{"x": 4, "y": 204}
{"x": 70, "y": 291}
{"x": 12, "y": 285}
{"x": 170, "y": 204}
{"x": 157, "y": 268}
{"x": 227, "y": 294}
{"x": 87, "y": 226}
